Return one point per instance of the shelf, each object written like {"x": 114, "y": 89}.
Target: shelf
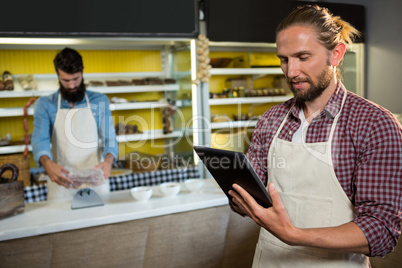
{"x": 139, "y": 105}
{"x": 105, "y": 90}
{"x": 248, "y": 100}
{"x": 13, "y": 149}
{"x": 246, "y": 71}
{"x": 234, "y": 124}
{"x": 134, "y": 89}
{"x": 19, "y": 111}
{"x": 48, "y": 84}
{"x": 147, "y": 135}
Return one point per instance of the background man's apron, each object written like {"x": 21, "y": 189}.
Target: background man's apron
{"x": 75, "y": 143}
{"x": 305, "y": 178}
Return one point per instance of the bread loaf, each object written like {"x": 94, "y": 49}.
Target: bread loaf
{"x": 8, "y": 80}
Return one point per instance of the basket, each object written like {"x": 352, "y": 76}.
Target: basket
{"x": 11, "y": 192}
{"x": 22, "y": 164}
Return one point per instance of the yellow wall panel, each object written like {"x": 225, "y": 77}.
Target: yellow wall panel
{"x": 27, "y": 61}
{"x": 13, "y": 102}
{"x": 153, "y": 147}
{"x": 231, "y": 110}
{"x": 145, "y": 119}
{"x": 15, "y": 127}
{"x": 183, "y": 61}
{"x": 105, "y": 61}
{"x": 95, "y": 61}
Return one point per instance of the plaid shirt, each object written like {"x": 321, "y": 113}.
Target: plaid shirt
{"x": 366, "y": 153}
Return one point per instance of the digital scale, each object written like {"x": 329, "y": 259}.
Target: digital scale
{"x": 86, "y": 198}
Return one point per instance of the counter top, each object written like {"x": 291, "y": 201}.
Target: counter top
{"x": 50, "y": 217}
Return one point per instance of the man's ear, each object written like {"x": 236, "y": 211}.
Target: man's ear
{"x": 337, "y": 54}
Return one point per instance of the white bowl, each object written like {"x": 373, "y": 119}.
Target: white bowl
{"x": 170, "y": 188}
{"x": 194, "y": 185}
{"x": 141, "y": 193}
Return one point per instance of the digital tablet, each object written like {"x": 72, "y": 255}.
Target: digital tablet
{"x": 228, "y": 168}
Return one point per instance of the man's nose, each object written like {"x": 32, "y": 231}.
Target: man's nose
{"x": 71, "y": 84}
{"x": 293, "y": 69}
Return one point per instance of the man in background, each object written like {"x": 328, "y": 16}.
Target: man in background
{"x": 72, "y": 128}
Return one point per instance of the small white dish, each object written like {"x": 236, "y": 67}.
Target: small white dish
{"x": 141, "y": 193}
{"x": 194, "y": 185}
{"x": 170, "y": 188}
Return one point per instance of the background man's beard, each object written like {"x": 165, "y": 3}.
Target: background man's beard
{"x": 315, "y": 90}
{"x": 78, "y": 95}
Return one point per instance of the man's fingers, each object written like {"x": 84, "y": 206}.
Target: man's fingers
{"x": 276, "y": 199}
{"x": 63, "y": 181}
{"x": 236, "y": 204}
{"x": 245, "y": 195}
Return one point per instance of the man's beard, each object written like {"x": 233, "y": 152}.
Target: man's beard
{"x": 75, "y": 96}
{"x": 324, "y": 79}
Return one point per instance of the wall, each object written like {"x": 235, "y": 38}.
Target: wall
{"x": 383, "y": 57}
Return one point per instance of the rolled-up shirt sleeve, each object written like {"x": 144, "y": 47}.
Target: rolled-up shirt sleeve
{"x": 107, "y": 133}
{"x": 378, "y": 184}
{"x": 256, "y": 153}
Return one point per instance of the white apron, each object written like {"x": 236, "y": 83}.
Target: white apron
{"x": 75, "y": 143}
{"x": 313, "y": 197}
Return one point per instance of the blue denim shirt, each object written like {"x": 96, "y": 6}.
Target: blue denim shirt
{"x": 45, "y": 110}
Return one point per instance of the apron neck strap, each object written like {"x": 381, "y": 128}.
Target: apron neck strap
{"x": 331, "y": 134}
{"x": 333, "y": 124}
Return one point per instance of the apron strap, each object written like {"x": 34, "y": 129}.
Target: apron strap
{"x": 331, "y": 134}
{"x": 332, "y": 127}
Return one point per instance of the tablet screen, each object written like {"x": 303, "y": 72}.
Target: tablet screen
{"x": 229, "y": 167}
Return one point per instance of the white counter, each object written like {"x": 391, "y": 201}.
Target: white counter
{"x": 50, "y": 217}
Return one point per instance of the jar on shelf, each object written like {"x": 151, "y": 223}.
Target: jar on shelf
{"x": 242, "y": 92}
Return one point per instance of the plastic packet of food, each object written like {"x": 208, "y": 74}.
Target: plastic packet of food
{"x": 85, "y": 178}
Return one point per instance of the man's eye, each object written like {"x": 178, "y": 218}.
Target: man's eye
{"x": 303, "y": 58}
